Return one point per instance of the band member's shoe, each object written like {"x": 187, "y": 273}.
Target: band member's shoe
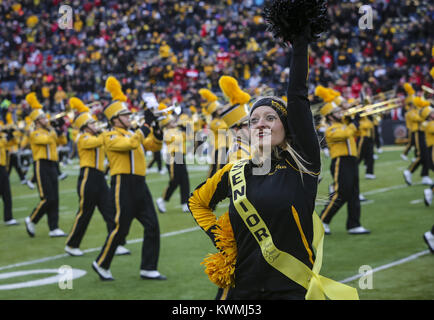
{"x": 11, "y": 222}
{"x": 404, "y": 157}
{"x": 161, "y": 205}
{"x": 427, "y": 196}
{"x": 407, "y": 177}
{"x": 121, "y": 251}
{"x": 358, "y": 230}
{"x": 426, "y": 180}
{"x": 75, "y": 252}
{"x": 57, "y": 233}
{"x": 326, "y": 228}
{"x": 370, "y": 176}
{"x": 30, "y": 227}
{"x": 185, "y": 208}
{"x": 104, "y": 274}
{"x": 151, "y": 275}
{"x": 429, "y": 239}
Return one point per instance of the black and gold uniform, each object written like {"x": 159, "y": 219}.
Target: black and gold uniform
{"x": 284, "y": 199}
{"x": 418, "y": 115}
{"x": 92, "y": 187}
{"x": 175, "y": 139}
{"x": 125, "y": 151}
{"x": 43, "y": 142}
{"x": 429, "y": 136}
{"x": 340, "y": 138}
{"x": 412, "y": 126}
{"x": 5, "y": 188}
{"x": 236, "y": 117}
{"x": 218, "y": 128}
{"x": 365, "y": 145}
{"x": 13, "y": 149}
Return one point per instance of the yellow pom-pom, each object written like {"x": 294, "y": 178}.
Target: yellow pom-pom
{"x": 32, "y": 100}
{"x": 432, "y": 72}
{"x": 220, "y": 266}
{"x": 113, "y": 86}
{"x": 230, "y": 88}
{"x": 78, "y": 105}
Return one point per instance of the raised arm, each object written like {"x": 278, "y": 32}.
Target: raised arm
{"x": 300, "y": 120}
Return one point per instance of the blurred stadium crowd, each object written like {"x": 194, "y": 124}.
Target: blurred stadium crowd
{"x": 173, "y": 48}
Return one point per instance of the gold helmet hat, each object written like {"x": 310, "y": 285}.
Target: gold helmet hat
{"x": 118, "y": 106}
{"x": 36, "y": 107}
{"x": 84, "y": 117}
{"x": 238, "y": 110}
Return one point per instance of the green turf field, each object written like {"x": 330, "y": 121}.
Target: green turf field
{"x": 395, "y": 213}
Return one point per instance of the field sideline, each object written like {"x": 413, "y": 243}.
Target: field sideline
{"x": 395, "y": 213}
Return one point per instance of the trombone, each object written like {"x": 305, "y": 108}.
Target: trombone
{"x": 379, "y": 110}
{"x": 361, "y": 108}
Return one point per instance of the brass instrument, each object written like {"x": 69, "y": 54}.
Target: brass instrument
{"x": 379, "y": 110}
{"x": 427, "y": 89}
{"x": 64, "y": 114}
{"x": 362, "y": 108}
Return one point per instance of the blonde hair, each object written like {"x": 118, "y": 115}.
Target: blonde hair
{"x": 276, "y": 152}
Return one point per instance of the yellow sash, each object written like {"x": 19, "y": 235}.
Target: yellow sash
{"x": 318, "y": 287}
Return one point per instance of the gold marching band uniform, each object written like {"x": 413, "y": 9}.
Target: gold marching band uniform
{"x": 5, "y": 188}
{"x": 130, "y": 194}
{"x": 340, "y": 137}
{"x": 43, "y": 142}
{"x": 92, "y": 188}
{"x": 175, "y": 139}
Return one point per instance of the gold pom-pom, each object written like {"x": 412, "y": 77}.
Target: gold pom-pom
{"x": 230, "y": 88}
{"x": 32, "y": 100}
{"x": 220, "y": 266}
{"x": 113, "y": 86}
{"x": 78, "y": 105}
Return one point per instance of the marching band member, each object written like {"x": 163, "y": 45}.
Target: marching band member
{"x": 13, "y": 148}
{"x": 236, "y": 118}
{"x": 266, "y": 240}
{"x": 344, "y": 169}
{"x": 175, "y": 139}
{"x": 365, "y": 145}
{"x": 218, "y": 128}
{"x": 43, "y": 141}
{"x": 5, "y": 188}
{"x": 91, "y": 185}
{"x": 418, "y": 116}
{"x": 429, "y": 137}
{"x": 131, "y": 196}
{"x": 412, "y": 126}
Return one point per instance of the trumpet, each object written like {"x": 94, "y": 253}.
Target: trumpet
{"x": 176, "y": 108}
{"x": 64, "y": 114}
{"x": 361, "y": 108}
